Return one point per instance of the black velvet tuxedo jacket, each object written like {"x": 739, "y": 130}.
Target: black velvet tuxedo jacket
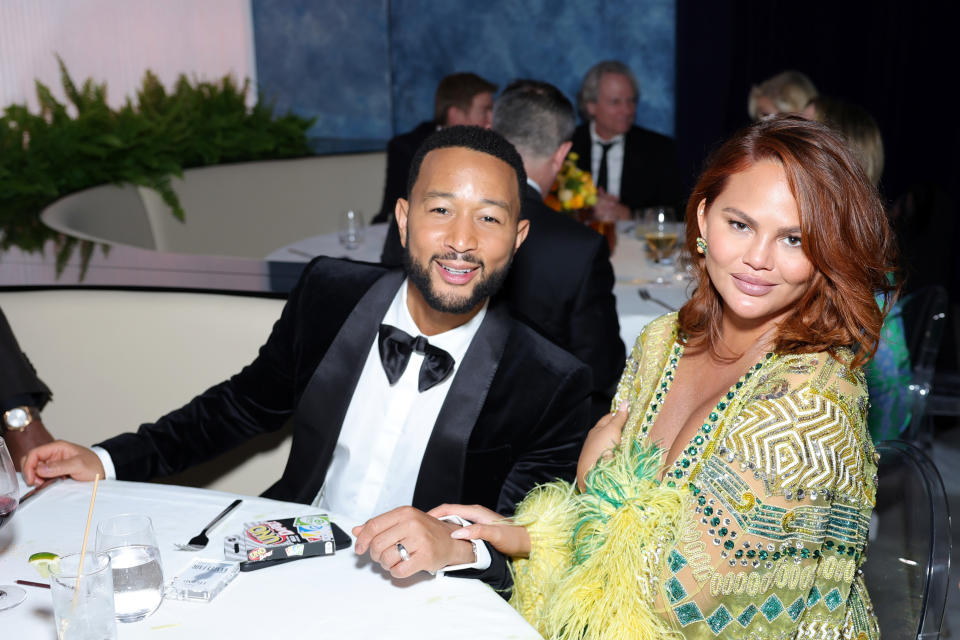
{"x": 400, "y": 152}
{"x": 561, "y": 284}
{"x": 515, "y": 414}
{"x": 650, "y": 176}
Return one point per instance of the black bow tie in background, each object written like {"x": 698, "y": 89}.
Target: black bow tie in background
{"x": 395, "y": 349}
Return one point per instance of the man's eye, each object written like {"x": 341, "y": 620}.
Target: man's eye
{"x": 439, "y": 210}
{"x": 490, "y": 219}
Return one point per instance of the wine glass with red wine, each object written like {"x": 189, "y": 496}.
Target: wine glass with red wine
{"x": 10, "y": 596}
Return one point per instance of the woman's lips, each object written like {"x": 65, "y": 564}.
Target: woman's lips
{"x": 752, "y": 286}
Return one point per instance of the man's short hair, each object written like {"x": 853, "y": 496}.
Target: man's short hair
{"x": 534, "y": 116}
{"x": 457, "y": 90}
{"x": 591, "y": 83}
{"x": 475, "y": 138}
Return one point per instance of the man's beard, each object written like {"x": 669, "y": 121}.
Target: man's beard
{"x": 485, "y": 287}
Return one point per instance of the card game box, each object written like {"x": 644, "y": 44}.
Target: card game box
{"x": 303, "y": 536}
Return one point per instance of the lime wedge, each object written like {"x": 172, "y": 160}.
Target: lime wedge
{"x": 44, "y": 562}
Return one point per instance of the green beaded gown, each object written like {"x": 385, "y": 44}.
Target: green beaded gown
{"x": 775, "y": 493}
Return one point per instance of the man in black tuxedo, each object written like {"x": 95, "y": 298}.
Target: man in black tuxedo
{"x": 460, "y": 99}
{"x": 561, "y": 281}
{"x": 481, "y": 410}
{"x": 632, "y": 167}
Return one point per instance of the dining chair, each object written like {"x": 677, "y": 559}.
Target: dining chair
{"x": 908, "y": 559}
{"x": 924, "y": 315}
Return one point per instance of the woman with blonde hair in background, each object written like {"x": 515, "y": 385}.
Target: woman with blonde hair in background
{"x": 786, "y": 92}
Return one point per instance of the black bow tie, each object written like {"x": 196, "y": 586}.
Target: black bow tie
{"x": 395, "y": 349}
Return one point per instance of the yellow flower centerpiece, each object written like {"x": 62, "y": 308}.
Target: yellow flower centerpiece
{"x": 573, "y": 189}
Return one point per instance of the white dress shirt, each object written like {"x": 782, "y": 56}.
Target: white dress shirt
{"x": 386, "y": 429}
{"x": 614, "y": 159}
{"x": 535, "y": 186}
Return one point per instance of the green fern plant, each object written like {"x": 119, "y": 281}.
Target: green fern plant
{"x": 47, "y": 155}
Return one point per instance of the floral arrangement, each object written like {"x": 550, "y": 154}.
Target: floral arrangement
{"x": 573, "y": 189}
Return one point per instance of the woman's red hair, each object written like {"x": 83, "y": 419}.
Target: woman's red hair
{"x": 844, "y": 233}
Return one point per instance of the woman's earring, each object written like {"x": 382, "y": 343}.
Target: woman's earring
{"x": 701, "y": 246}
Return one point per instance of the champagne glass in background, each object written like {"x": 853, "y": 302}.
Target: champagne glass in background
{"x": 83, "y": 601}
{"x": 10, "y": 596}
{"x": 351, "y": 229}
{"x": 130, "y": 542}
{"x": 660, "y": 230}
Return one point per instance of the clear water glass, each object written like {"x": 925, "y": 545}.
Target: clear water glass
{"x": 130, "y": 542}
{"x": 83, "y": 606}
{"x": 351, "y": 229}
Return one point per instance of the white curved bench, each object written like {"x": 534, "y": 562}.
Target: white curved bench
{"x": 117, "y": 358}
{"x": 246, "y": 209}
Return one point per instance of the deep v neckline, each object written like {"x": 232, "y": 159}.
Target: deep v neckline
{"x": 701, "y": 444}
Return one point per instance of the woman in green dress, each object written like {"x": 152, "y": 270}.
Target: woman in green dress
{"x": 730, "y": 491}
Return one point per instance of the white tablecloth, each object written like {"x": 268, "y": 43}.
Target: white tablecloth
{"x": 340, "y": 596}
{"x": 631, "y": 266}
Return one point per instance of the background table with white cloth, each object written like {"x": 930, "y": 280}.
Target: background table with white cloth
{"x": 339, "y": 596}
{"x": 631, "y": 266}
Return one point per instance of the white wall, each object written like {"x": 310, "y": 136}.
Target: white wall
{"x": 118, "y": 40}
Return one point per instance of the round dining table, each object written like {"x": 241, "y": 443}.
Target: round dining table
{"x": 665, "y": 287}
{"x": 337, "y": 596}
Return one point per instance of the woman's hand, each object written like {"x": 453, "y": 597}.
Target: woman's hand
{"x": 601, "y": 439}
{"x": 509, "y": 539}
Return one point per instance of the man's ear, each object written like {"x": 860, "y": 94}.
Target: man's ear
{"x": 400, "y": 212}
{"x": 556, "y": 161}
{"x": 455, "y": 116}
{"x": 702, "y": 217}
{"x": 591, "y": 109}
{"x": 523, "y": 228}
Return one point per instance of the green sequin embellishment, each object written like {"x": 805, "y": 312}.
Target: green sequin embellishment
{"x": 687, "y": 613}
{"x": 771, "y": 608}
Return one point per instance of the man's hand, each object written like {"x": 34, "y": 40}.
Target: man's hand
{"x": 60, "y": 458}
{"x": 609, "y": 208}
{"x": 601, "y": 439}
{"x": 507, "y": 538}
{"x": 426, "y": 539}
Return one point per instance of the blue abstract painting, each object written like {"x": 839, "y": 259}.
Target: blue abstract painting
{"x": 328, "y": 60}
{"x": 368, "y": 69}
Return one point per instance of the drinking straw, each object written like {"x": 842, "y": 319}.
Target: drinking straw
{"x": 83, "y": 547}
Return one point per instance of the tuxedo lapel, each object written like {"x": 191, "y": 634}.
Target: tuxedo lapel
{"x": 443, "y": 463}
{"x": 327, "y": 396}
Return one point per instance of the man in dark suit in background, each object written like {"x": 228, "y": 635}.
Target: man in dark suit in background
{"x": 631, "y": 166}
{"x": 481, "y": 411}
{"x": 561, "y": 282}
{"x": 460, "y": 99}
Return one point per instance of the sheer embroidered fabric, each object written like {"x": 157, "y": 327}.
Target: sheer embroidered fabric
{"x": 767, "y": 537}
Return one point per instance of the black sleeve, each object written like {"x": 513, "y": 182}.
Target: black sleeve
{"x": 19, "y": 383}
{"x": 497, "y": 575}
{"x": 395, "y": 185}
{"x": 392, "y": 254}
{"x": 554, "y": 447}
{"x": 595, "y": 330}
